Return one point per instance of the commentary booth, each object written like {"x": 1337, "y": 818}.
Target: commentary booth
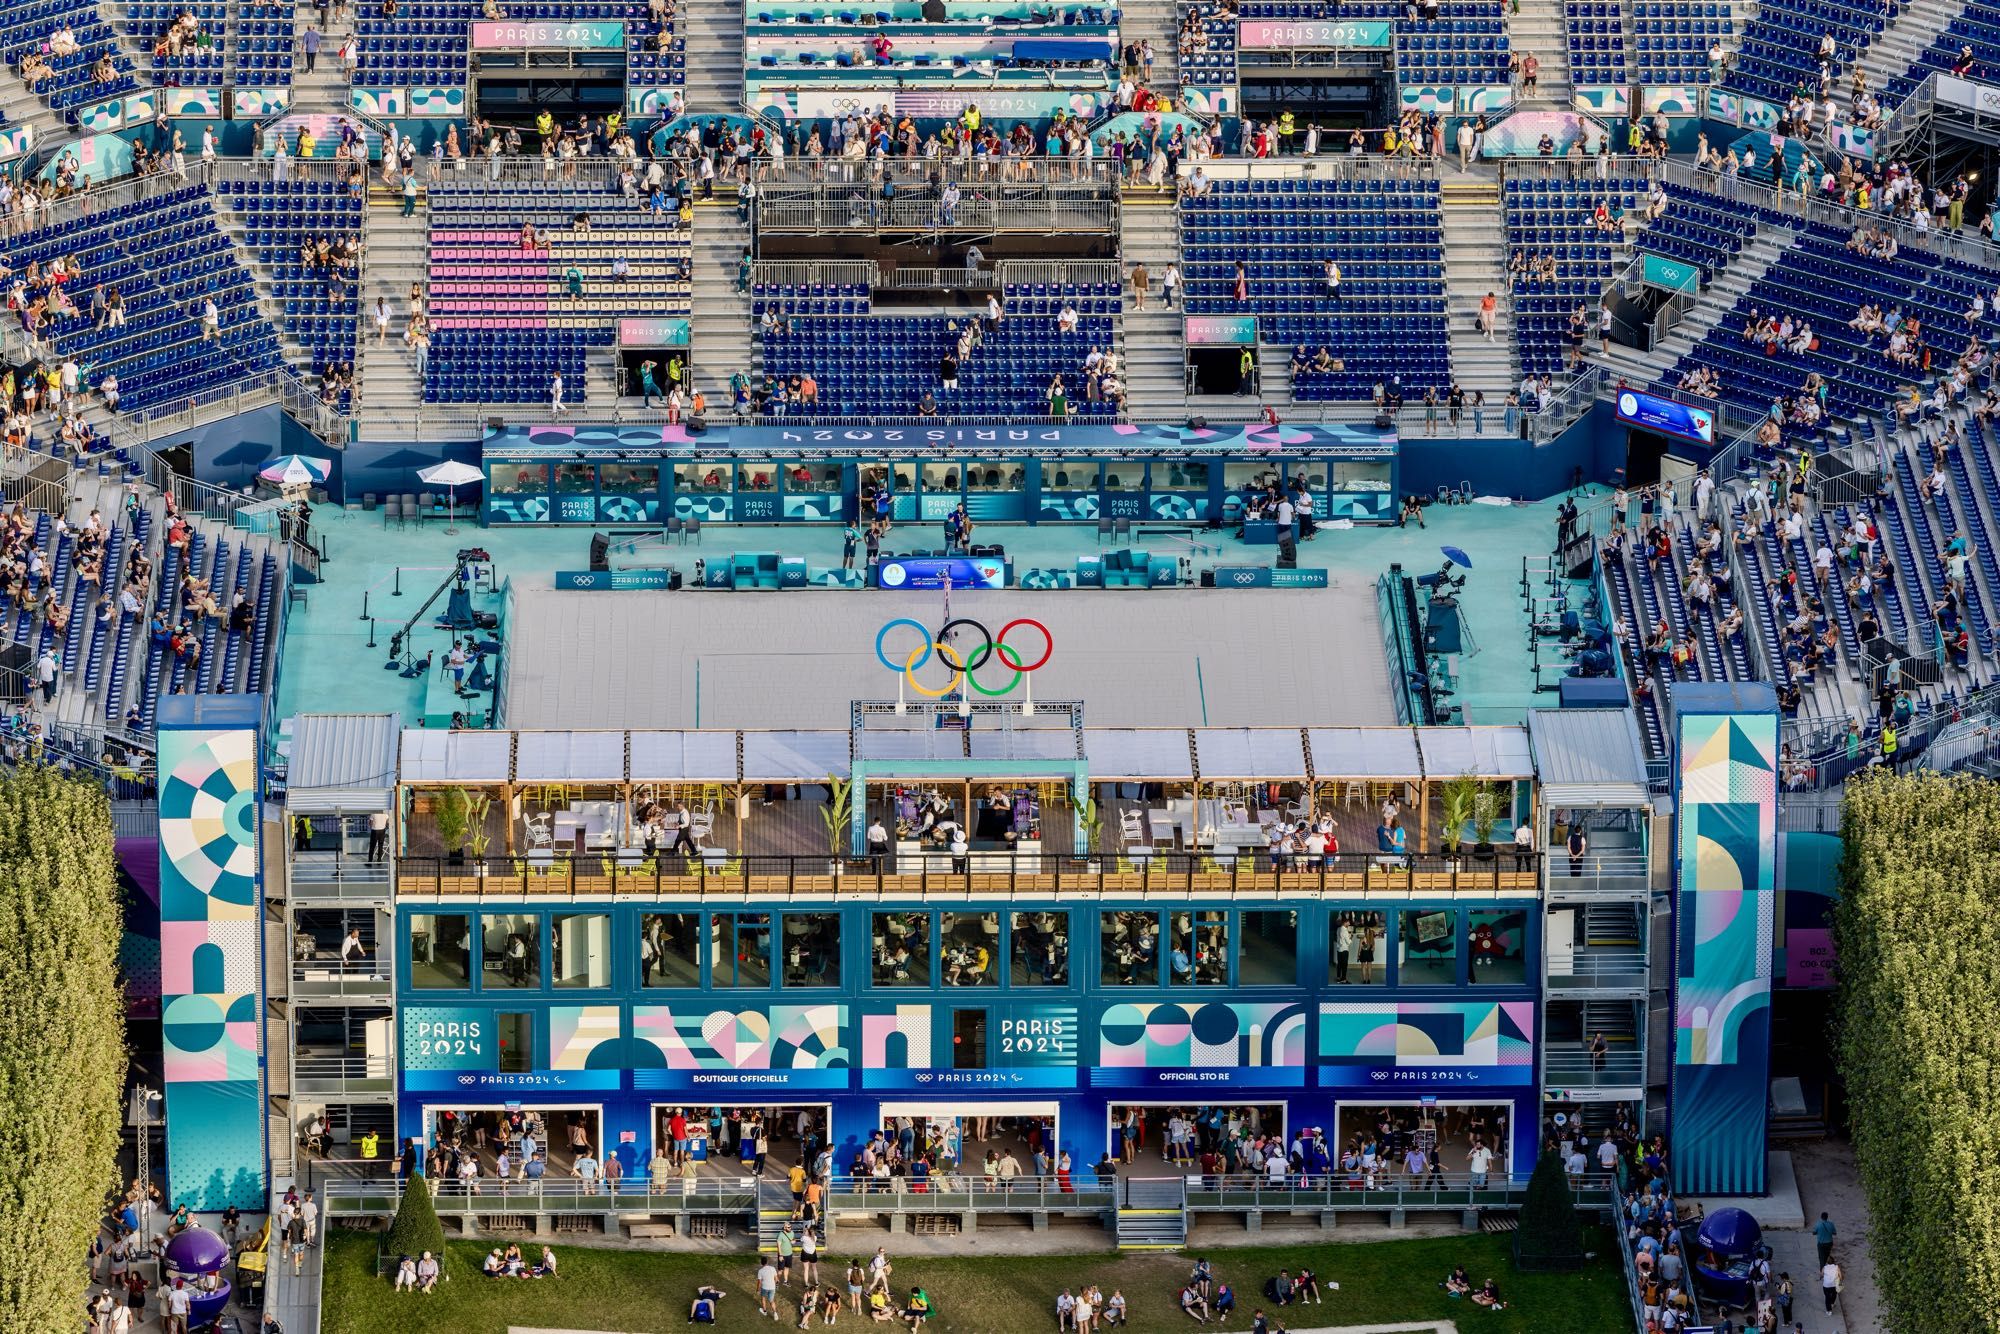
{"x": 642, "y": 475}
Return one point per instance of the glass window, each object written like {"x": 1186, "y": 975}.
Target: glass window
{"x": 628, "y": 479}
{"x": 971, "y": 948}
{"x": 1124, "y": 475}
{"x": 1199, "y": 951}
{"x": 810, "y": 475}
{"x": 1361, "y": 476}
{"x": 1180, "y": 475}
{"x": 1269, "y": 953}
{"x": 1312, "y": 472}
{"x": 439, "y": 955}
{"x": 576, "y": 478}
{"x": 1040, "y": 949}
{"x": 711, "y": 476}
{"x": 1356, "y": 953}
{"x": 1427, "y": 947}
{"x": 580, "y": 950}
{"x": 1069, "y": 475}
{"x": 760, "y": 475}
{"x": 943, "y": 479}
{"x": 902, "y": 944}
{"x": 510, "y": 950}
{"x": 516, "y": 1032}
{"x": 1130, "y": 943}
{"x": 514, "y": 479}
{"x": 1241, "y": 477}
{"x": 872, "y": 477}
{"x": 1497, "y": 943}
{"x": 740, "y": 950}
{"x": 669, "y": 950}
{"x": 993, "y": 475}
{"x": 812, "y": 949}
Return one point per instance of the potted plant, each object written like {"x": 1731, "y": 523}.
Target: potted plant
{"x": 1460, "y": 798}
{"x": 1092, "y": 824}
{"x": 453, "y": 813}
{"x": 837, "y": 814}
{"x": 477, "y": 834}
{"x": 1485, "y": 819}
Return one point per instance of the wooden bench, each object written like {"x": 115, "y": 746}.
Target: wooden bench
{"x": 644, "y": 1231}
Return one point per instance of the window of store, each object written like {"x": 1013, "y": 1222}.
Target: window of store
{"x": 902, "y": 947}
{"x": 440, "y": 952}
{"x": 740, "y": 950}
{"x": 669, "y": 949}
{"x": 580, "y": 950}
{"x": 1040, "y": 944}
{"x": 812, "y": 949}
{"x": 1427, "y": 947}
{"x": 1269, "y": 953}
{"x": 1129, "y": 943}
{"x": 971, "y": 948}
{"x": 1199, "y": 953}
{"x": 1357, "y": 950}
{"x": 510, "y": 951}
{"x": 1497, "y": 945}
{"x": 516, "y": 1034}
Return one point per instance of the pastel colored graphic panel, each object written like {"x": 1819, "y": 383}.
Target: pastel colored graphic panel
{"x": 211, "y": 965}
{"x": 579, "y": 1032}
{"x": 1724, "y": 923}
{"x": 1206, "y": 1036}
{"x": 785, "y": 1037}
{"x": 1499, "y": 1033}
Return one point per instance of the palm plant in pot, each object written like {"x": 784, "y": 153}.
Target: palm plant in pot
{"x": 1460, "y": 795}
{"x": 836, "y": 814}
{"x": 1092, "y": 824}
{"x": 1485, "y": 819}
{"x": 453, "y": 813}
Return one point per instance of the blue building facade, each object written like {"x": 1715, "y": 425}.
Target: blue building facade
{"x": 1057, "y": 1015}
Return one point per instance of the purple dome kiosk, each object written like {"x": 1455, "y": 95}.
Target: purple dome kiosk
{"x": 1724, "y": 1247}
{"x": 191, "y": 1256}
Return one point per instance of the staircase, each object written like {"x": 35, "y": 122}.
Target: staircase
{"x": 1152, "y": 1213}
{"x": 714, "y": 35}
{"x": 388, "y": 392}
{"x": 719, "y": 334}
{"x": 1155, "y": 366}
{"x": 774, "y": 1210}
{"x": 326, "y": 90}
{"x": 1710, "y": 309}
{"x": 232, "y": 224}
{"x": 22, "y": 107}
{"x": 1475, "y": 228}
{"x": 1159, "y": 21}
{"x": 1908, "y": 35}
{"x": 1537, "y": 29}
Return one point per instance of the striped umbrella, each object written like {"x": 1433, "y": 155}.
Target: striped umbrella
{"x": 296, "y": 470}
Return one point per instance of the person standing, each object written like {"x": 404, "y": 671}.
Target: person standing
{"x": 1170, "y": 284}
{"x": 45, "y": 672}
{"x": 1577, "y": 845}
{"x": 378, "y": 836}
{"x": 1141, "y": 285}
{"x": 556, "y": 394}
{"x": 1823, "y": 1233}
{"x": 310, "y": 42}
{"x": 1829, "y": 1283}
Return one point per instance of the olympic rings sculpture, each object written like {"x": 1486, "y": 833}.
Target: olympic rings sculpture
{"x": 964, "y": 666}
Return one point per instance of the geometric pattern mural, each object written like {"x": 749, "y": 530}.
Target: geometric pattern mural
{"x": 210, "y": 961}
{"x": 897, "y": 1040}
{"x": 1205, "y": 1036}
{"x": 576, "y": 1031}
{"x": 1496, "y": 1033}
{"x": 1723, "y": 921}
{"x": 784, "y": 1037}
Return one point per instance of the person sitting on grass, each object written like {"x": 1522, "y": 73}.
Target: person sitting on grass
{"x": 427, "y": 1273}
{"x": 919, "y": 1309}
{"x": 494, "y": 1266}
{"x": 879, "y": 1309}
{"x": 1458, "y": 1284}
{"x": 406, "y": 1275}
{"x": 1489, "y": 1296}
{"x": 702, "y": 1310}
{"x": 547, "y": 1268}
{"x": 1225, "y": 1302}
{"x": 1261, "y": 1324}
{"x": 1194, "y": 1304}
{"x": 1307, "y": 1288}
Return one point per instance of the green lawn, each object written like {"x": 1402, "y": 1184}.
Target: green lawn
{"x": 646, "y": 1292}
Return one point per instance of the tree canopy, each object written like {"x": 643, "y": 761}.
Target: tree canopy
{"x": 1917, "y": 1037}
{"x": 62, "y": 1040}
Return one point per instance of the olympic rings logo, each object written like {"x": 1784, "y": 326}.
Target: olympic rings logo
{"x": 964, "y": 666}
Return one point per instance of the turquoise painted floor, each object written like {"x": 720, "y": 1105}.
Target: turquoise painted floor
{"x": 329, "y": 668}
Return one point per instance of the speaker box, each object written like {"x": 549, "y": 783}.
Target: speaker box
{"x": 1383, "y": 421}
{"x": 673, "y": 579}
{"x": 600, "y": 551}
{"x": 496, "y": 423}
{"x": 1197, "y": 423}
{"x": 1208, "y": 578}
{"x": 698, "y": 423}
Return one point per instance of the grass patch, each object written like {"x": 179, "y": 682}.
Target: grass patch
{"x": 647, "y": 1292}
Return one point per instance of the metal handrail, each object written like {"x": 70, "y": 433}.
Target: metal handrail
{"x": 380, "y": 1194}
{"x": 968, "y": 1186}
{"x": 1569, "y": 403}
{"x": 1164, "y": 873}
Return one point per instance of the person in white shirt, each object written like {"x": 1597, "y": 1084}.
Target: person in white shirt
{"x": 1479, "y": 1162}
